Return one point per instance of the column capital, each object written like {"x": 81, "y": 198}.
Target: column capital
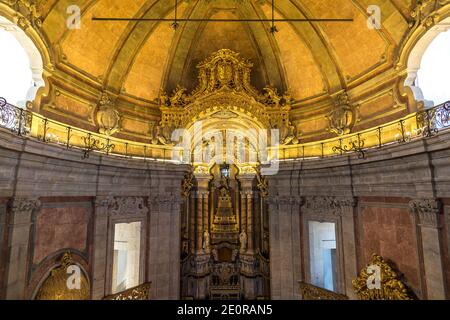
{"x": 24, "y": 205}
{"x": 426, "y": 211}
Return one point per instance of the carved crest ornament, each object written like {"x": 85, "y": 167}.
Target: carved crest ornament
{"x": 343, "y": 117}
{"x": 225, "y": 92}
{"x": 108, "y": 117}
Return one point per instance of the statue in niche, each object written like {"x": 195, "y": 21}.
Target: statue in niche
{"x": 206, "y": 242}
{"x": 243, "y": 240}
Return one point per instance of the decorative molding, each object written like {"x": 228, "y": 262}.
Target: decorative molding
{"x": 343, "y": 116}
{"x": 329, "y": 206}
{"x": 108, "y": 118}
{"x": 121, "y": 205}
{"x": 391, "y": 287}
{"x": 426, "y": 211}
{"x": 285, "y": 200}
{"x": 25, "y": 205}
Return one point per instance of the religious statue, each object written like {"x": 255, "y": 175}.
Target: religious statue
{"x": 243, "y": 241}
{"x": 206, "y": 242}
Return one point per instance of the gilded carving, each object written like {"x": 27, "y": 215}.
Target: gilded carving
{"x": 225, "y": 90}
{"x": 426, "y": 211}
{"x": 108, "y": 118}
{"x": 262, "y": 183}
{"x": 140, "y": 292}
{"x": 343, "y": 117}
{"x": 29, "y": 11}
{"x": 424, "y": 13}
{"x": 311, "y": 292}
{"x": 187, "y": 184}
{"x": 391, "y": 288}
{"x": 55, "y": 286}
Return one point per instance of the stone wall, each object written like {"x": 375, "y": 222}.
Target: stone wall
{"x": 398, "y": 194}
{"x": 51, "y": 201}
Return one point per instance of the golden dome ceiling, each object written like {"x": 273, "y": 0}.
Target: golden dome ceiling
{"x": 310, "y": 59}
{"x": 321, "y": 64}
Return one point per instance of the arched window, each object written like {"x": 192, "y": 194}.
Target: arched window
{"x": 21, "y": 65}
{"x": 433, "y": 77}
{"x": 429, "y": 66}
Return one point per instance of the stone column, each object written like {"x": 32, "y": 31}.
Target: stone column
{"x": 250, "y": 226}
{"x": 99, "y": 263}
{"x": 19, "y": 244}
{"x": 427, "y": 214}
{"x": 164, "y": 252}
{"x": 285, "y": 251}
{"x": 247, "y": 182}
{"x": 202, "y": 208}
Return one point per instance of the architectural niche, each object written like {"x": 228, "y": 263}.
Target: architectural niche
{"x": 55, "y": 286}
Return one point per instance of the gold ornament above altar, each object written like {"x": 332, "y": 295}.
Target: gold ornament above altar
{"x": 224, "y": 91}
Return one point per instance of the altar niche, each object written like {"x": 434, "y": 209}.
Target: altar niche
{"x": 225, "y": 252}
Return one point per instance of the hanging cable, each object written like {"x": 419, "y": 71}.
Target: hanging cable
{"x": 273, "y": 28}
{"x": 175, "y": 23}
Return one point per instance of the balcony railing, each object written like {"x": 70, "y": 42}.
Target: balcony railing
{"x": 311, "y": 292}
{"x": 422, "y": 124}
{"x": 140, "y": 292}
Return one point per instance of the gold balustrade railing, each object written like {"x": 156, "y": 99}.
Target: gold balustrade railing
{"x": 140, "y": 292}
{"x": 417, "y": 125}
{"x": 311, "y": 292}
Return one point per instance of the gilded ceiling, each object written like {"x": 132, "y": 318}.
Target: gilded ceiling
{"x": 310, "y": 59}
{"x": 327, "y": 68}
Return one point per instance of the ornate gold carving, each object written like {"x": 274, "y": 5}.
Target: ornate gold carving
{"x": 262, "y": 183}
{"x": 311, "y": 292}
{"x": 55, "y": 286}
{"x": 108, "y": 117}
{"x": 343, "y": 117}
{"x": 187, "y": 184}
{"x": 391, "y": 288}
{"x": 225, "y": 90}
{"x": 424, "y": 13}
{"x": 28, "y": 12}
{"x": 140, "y": 292}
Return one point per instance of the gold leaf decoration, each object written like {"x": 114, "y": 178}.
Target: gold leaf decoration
{"x": 391, "y": 288}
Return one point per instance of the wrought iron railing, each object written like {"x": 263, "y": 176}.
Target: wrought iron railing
{"x": 311, "y": 292}
{"x": 140, "y": 292}
{"x": 422, "y": 124}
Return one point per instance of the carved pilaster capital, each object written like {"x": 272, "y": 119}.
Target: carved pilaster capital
{"x": 24, "y": 205}
{"x": 104, "y": 202}
{"x": 285, "y": 200}
{"x": 169, "y": 201}
{"x": 329, "y": 206}
{"x": 426, "y": 211}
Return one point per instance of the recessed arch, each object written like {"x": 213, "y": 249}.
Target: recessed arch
{"x": 416, "y": 57}
{"x": 23, "y": 62}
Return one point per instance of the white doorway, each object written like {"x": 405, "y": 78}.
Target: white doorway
{"x": 322, "y": 244}
{"x": 126, "y": 261}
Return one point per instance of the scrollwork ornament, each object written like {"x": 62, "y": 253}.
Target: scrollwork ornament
{"x": 108, "y": 118}
{"x": 343, "y": 117}
{"x": 391, "y": 287}
{"x": 426, "y": 211}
